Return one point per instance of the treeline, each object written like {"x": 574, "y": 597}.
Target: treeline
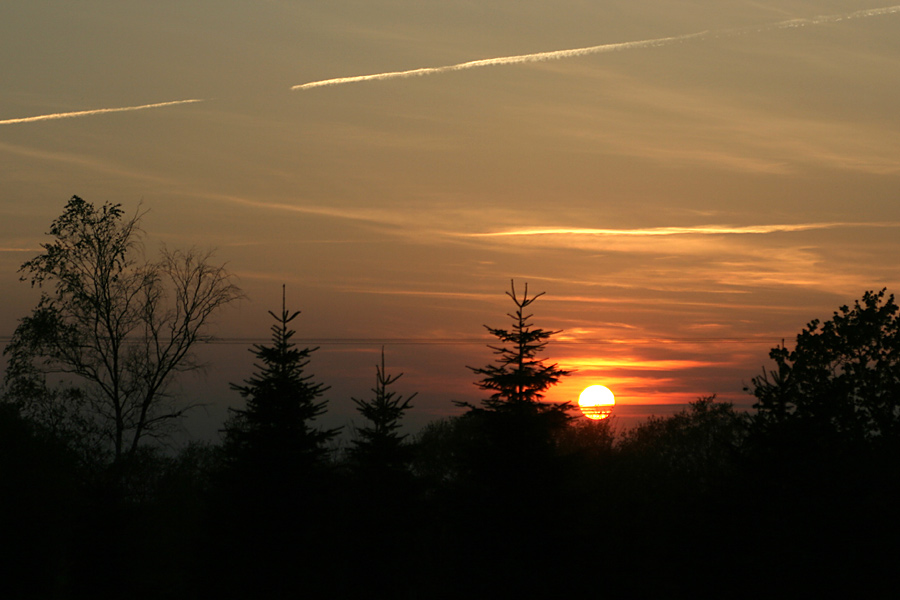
{"x": 513, "y": 497}
{"x": 492, "y": 503}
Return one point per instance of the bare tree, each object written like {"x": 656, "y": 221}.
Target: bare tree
{"x": 122, "y": 327}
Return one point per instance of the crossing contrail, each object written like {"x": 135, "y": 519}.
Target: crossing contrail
{"x": 560, "y": 54}
{"x": 98, "y": 111}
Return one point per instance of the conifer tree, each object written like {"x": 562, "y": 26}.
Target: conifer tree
{"x": 379, "y": 445}
{"x": 509, "y": 451}
{"x": 518, "y": 377}
{"x": 275, "y": 427}
{"x": 276, "y": 492}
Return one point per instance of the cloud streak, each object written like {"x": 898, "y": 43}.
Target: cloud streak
{"x": 633, "y": 363}
{"x": 575, "y": 52}
{"x": 662, "y": 231}
{"x": 504, "y": 60}
{"x": 97, "y": 111}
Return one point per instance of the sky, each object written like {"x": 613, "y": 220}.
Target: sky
{"x": 690, "y": 182}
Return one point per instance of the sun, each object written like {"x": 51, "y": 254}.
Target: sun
{"x": 596, "y": 402}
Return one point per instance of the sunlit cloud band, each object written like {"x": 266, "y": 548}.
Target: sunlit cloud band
{"x": 97, "y": 111}
{"x": 561, "y": 54}
{"x": 634, "y": 363}
{"x": 698, "y": 230}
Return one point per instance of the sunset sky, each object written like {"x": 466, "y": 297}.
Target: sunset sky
{"x": 700, "y": 181}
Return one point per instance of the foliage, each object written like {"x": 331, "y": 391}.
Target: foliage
{"x": 589, "y": 439}
{"x": 281, "y": 402}
{"x": 121, "y": 327}
{"x": 510, "y": 442}
{"x": 379, "y": 445}
{"x": 699, "y": 444}
{"x": 275, "y": 501}
{"x": 519, "y": 377}
{"x": 842, "y": 377}
{"x": 434, "y": 452}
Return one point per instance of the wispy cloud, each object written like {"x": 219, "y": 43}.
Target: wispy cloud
{"x": 633, "y": 362}
{"x": 575, "y": 52}
{"x": 661, "y": 231}
{"x": 370, "y": 216}
{"x": 84, "y": 161}
{"x": 97, "y": 111}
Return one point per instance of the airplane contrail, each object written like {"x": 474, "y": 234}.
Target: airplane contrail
{"x": 504, "y": 60}
{"x": 560, "y": 54}
{"x": 98, "y": 111}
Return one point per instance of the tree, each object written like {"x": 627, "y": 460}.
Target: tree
{"x": 697, "y": 446}
{"x": 842, "y": 377}
{"x": 519, "y": 378}
{"x": 122, "y": 327}
{"x": 274, "y": 430}
{"x": 379, "y": 445}
{"x": 276, "y": 495}
{"x": 511, "y": 440}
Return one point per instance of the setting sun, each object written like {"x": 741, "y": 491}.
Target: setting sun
{"x": 596, "y": 402}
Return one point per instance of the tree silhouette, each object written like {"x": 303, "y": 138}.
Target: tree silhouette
{"x": 843, "y": 375}
{"x": 518, "y": 377}
{"x": 275, "y": 489}
{"x": 276, "y": 428}
{"x": 505, "y": 452}
{"x": 826, "y": 437}
{"x": 379, "y": 445}
{"x": 121, "y": 327}
{"x": 694, "y": 448}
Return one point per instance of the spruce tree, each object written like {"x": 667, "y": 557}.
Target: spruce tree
{"x": 508, "y": 454}
{"x": 519, "y": 377}
{"x": 379, "y": 446}
{"x": 514, "y": 431}
{"x": 276, "y": 492}
{"x": 275, "y": 429}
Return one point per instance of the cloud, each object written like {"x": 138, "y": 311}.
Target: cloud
{"x": 634, "y": 363}
{"x": 663, "y": 231}
{"x": 97, "y": 111}
{"x": 572, "y": 53}
{"x": 369, "y": 216}
{"x": 84, "y": 162}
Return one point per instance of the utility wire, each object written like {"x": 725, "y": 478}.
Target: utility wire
{"x": 411, "y": 341}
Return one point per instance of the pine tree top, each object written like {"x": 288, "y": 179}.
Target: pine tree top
{"x": 518, "y": 375}
{"x": 281, "y": 399}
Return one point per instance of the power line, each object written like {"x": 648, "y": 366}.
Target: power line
{"x": 487, "y": 340}
{"x": 413, "y": 341}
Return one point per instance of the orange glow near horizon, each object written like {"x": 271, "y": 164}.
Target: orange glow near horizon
{"x": 631, "y": 390}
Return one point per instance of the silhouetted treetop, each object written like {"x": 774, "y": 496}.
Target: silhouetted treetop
{"x": 282, "y": 401}
{"x": 119, "y": 325}
{"x": 843, "y": 375}
{"x": 379, "y": 444}
{"x": 518, "y": 375}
